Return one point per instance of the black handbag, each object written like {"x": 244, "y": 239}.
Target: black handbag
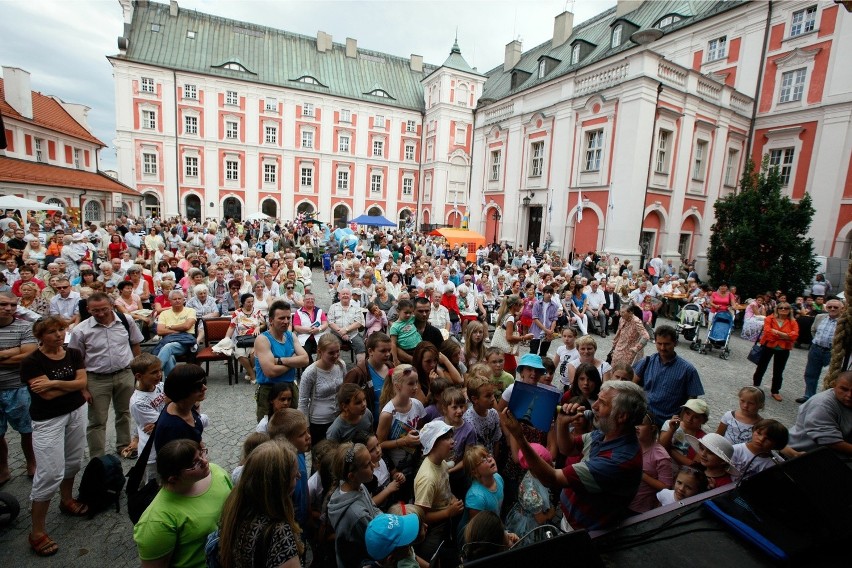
{"x": 138, "y": 498}
{"x": 245, "y": 341}
{"x": 756, "y": 350}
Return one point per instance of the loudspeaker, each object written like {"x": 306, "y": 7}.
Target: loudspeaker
{"x": 798, "y": 510}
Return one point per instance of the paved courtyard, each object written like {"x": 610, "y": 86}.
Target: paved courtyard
{"x": 107, "y": 539}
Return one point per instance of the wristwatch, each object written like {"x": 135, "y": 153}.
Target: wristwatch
{"x": 278, "y": 361}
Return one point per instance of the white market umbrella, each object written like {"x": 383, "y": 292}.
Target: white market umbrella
{"x": 15, "y": 202}
{"x": 258, "y": 217}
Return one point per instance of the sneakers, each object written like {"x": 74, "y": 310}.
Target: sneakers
{"x": 802, "y": 399}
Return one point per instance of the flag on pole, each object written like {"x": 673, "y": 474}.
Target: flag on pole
{"x": 611, "y": 204}
{"x": 580, "y": 207}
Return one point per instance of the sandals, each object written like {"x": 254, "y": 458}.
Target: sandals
{"x": 777, "y": 397}
{"x": 130, "y": 452}
{"x": 74, "y": 508}
{"x": 43, "y": 546}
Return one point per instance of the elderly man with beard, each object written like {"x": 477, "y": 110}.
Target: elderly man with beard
{"x": 597, "y": 490}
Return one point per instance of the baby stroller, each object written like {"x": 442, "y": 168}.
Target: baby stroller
{"x": 719, "y": 334}
{"x": 690, "y": 325}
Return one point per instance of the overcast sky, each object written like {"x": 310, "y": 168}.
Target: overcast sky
{"x": 64, "y": 43}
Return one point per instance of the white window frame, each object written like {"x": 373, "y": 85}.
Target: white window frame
{"x": 409, "y": 151}
{"x": 343, "y": 180}
{"x": 575, "y": 54}
{"x": 149, "y": 119}
{"x": 147, "y": 85}
{"x": 190, "y": 124}
{"x": 782, "y": 158}
{"x": 662, "y": 163}
{"x": 803, "y": 21}
{"x": 536, "y": 159}
{"x": 345, "y": 115}
{"x": 731, "y": 166}
{"x": 270, "y": 172}
{"x": 594, "y": 150}
{"x": 461, "y": 135}
{"x": 375, "y": 183}
{"x": 149, "y": 163}
{"x": 307, "y": 138}
{"x": 308, "y": 109}
{"x": 77, "y": 155}
{"x": 39, "y": 155}
{"x": 496, "y": 159}
{"x": 378, "y": 148}
{"x": 306, "y": 177}
{"x": 542, "y": 69}
{"x": 793, "y": 85}
{"x": 379, "y": 121}
{"x": 717, "y": 48}
{"x": 190, "y": 92}
{"x": 343, "y": 142}
{"x": 232, "y": 130}
{"x": 410, "y": 126}
{"x": 699, "y": 160}
{"x": 232, "y": 98}
{"x": 617, "y": 32}
{"x": 232, "y": 170}
{"x": 270, "y": 134}
{"x": 190, "y": 166}
{"x": 270, "y": 104}
{"x": 408, "y": 186}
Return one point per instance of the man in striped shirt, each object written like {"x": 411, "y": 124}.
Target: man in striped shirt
{"x": 597, "y": 490}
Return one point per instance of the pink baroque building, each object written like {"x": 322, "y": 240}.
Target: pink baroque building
{"x": 620, "y": 133}
{"x": 51, "y": 156}
{"x": 221, "y": 118}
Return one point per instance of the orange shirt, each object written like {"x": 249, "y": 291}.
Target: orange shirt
{"x": 770, "y": 338}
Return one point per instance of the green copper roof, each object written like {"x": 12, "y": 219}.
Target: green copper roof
{"x": 457, "y": 62}
{"x": 597, "y": 31}
{"x": 270, "y": 56}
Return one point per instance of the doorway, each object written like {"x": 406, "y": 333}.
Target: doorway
{"x": 534, "y": 226}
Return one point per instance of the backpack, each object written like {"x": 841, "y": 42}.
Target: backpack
{"x": 101, "y": 484}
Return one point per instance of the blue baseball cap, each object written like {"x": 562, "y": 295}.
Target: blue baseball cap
{"x": 386, "y": 533}
{"x": 531, "y": 360}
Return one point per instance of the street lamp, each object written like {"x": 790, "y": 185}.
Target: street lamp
{"x": 526, "y": 201}
{"x": 496, "y": 218}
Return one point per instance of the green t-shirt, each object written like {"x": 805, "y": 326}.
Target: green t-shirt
{"x": 179, "y": 524}
{"x": 501, "y": 383}
{"x": 407, "y": 336}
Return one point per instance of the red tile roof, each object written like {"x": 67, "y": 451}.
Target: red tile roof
{"x": 33, "y": 173}
{"x": 49, "y": 114}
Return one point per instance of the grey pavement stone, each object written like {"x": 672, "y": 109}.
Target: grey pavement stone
{"x": 107, "y": 540}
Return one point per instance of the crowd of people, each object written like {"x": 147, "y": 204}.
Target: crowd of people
{"x": 385, "y": 422}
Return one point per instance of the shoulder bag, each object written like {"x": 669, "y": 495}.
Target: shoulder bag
{"x": 756, "y": 350}
{"x": 138, "y": 498}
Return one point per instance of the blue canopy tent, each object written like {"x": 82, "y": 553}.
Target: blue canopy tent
{"x": 373, "y": 221}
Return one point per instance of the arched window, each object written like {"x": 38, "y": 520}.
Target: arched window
{"x": 341, "y": 216}
{"x": 152, "y": 205}
{"x": 374, "y": 212}
{"x": 269, "y": 207}
{"x": 306, "y": 207}
{"x": 232, "y": 208}
{"x": 616, "y": 35}
{"x": 193, "y": 207}
{"x": 93, "y": 211}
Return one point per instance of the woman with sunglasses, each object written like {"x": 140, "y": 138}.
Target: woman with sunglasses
{"x": 780, "y": 332}
{"x": 185, "y": 387}
{"x": 173, "y": 529}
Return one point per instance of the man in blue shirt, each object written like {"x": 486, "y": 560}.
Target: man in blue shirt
{"x": 668, "y": 380}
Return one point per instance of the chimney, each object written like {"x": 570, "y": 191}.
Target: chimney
{"x": 416, "y": 63}
{"x": 513, "y": 54}
{"x": 563, "y": 25}
{"x": 18, "y": 91}
{"x": 626, "y": 6}
{"x": 173, "y": 8}
{"x": 351, "y": 48}
{"x": 323, "y": 42}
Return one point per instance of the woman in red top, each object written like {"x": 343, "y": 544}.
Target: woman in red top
{"x": 780, "y": 332}
{"x": 720, "y": 301}
{"x": 116, "y": 246}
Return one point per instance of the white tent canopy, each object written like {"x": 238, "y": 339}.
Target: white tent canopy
{"x": 15, "y": 202}
{"x": 258, "y": 217}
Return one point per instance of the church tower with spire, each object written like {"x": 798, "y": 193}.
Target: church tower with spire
{"x": 451, "y": 94}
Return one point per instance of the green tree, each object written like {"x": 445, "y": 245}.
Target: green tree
{"x": 760, "y": 238}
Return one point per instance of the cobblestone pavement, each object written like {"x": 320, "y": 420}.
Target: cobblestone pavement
{"x": 107, "y": 539}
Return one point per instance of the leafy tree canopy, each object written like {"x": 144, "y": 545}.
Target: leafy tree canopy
{"x": 760, "y": 238}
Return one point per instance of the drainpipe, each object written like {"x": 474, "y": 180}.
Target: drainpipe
{"x": 759, "y": 82}
{"x": 419, "y": 208}
{"x": 648, "y": 174}
{"x": 177, "y": 148}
